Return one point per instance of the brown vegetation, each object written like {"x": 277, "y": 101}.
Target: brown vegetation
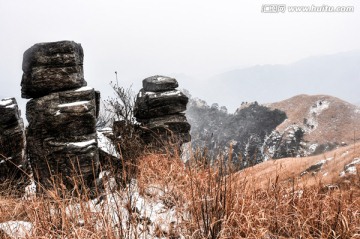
{"x": 268, "y": 200}
{"x": 340, "y": 122}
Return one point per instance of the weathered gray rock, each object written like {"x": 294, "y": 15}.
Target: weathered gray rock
{"x": 289, "y": 143}
{"x": 159, "y": 83}
{"x": 13, "y": 164}
{"x": 53, "y": 54}
{"x": 159, "y": 108}
{"x": 52, "y": 67}
{"x": 173, "y": 128}
{"x": 42, "y": 81}
{"x": 155, "y": 104}
{"x": 61, "y": 136}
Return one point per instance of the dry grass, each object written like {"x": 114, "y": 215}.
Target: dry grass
{"x": 266, "y": 201}
{"x": 338, "y": 123}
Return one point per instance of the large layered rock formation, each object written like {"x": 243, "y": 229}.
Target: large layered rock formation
{"x": 61, "y": 136}
{"x": 159, "y": 107}
{"x": 13, "y": 164}
{"x": 52, "y": 67}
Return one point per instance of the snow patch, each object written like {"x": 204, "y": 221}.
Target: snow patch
{"x": 82, "y": 144}
{"x": 167, "y": 93}
{"x": 30, "y": 191}
{"x": 12, "y": 106}
{"x": 315, "y": 110}
{"x": 5, "y": 102}
{"x": 172, "y": 93}
{"x": 17, "y": 229}
{"x": 85, "y": 88}
{"x": 105, "y": 144}
{"x": 119, "y": 208}
{"x": 162, "y": 78}
{"x": 312, "y": 148}
{"x": 350, "y": 168}
{"x": 57, "y": 113}
{"x": 74, "y": 104}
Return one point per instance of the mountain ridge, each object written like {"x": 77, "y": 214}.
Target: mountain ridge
{"x": 335, "y": 74}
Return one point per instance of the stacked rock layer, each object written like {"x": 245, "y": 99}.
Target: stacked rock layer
{"x": 159, "y": 107}
{"x": 13, "y": 164}
{"x": 61, "y": 136}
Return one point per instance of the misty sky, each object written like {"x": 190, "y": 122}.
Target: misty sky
{"x": 194, "y": 38}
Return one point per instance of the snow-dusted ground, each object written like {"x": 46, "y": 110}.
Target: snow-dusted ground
{"x": 350, "y": 168}
{"x": 17, "y": 229}
{"x": 313, "y": 114}
{"x": 105, "y": 144}
{"x": 117, "y": 209}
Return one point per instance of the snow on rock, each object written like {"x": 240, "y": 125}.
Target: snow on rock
{"x": 311, "y": 122}
{"x": 30, "y": 190}
{"x": 5, "y": 102}
{"x": 350, "y": 168}
{"x": 121, "y": 208}
{"x": 105, "y": 144}
{"x": 82, "y": 144}
{"x": 84, "y": 88}
{"x": 74, "y": 104}
{"x": 312, "y": 148}
{"x": 167, "y": 93}
{"x": 57, "y": 113}
{"x": 314, "y": 168}
{"x": 17, "y": 229}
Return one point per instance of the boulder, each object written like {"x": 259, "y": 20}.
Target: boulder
{"x": 42, "y": 81}
{"x": 72, "y": 161}
{"x": 61, "y": 136}
{"x": 173, "y": 128}
{"x": 159, "y": 84}
{"x": 53, "y": 54}
{"x": 13, "y": 163}
{"x": 155, "y": 104}
{"x": 52, "y": 67}
{"x": 158, "y": 107}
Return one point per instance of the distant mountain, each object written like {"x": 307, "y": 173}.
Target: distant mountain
{"x": 297, "y": 127}
{"x": 323, "y": 118}
{"x": 337, "y": 75}
{"x": 323, "y": 122}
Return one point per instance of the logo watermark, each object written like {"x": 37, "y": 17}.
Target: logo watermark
{"x": 282, "y": 8}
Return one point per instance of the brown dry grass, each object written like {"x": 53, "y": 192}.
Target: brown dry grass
{"x": 265, "y": 201}
{"x": 291, "y": 168}
{"x": 336, "y": 124}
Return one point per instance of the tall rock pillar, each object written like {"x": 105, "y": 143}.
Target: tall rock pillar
{"x": 61, "y": 136}
{"x": 13, "y": 163}
{"x": 159, "y": 107}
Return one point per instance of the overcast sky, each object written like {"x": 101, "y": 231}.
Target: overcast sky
{"x": 196, "y": 38}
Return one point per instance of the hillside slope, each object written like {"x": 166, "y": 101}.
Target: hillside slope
{"x": 331, "y": 168}
{"x": 324, "y": 119}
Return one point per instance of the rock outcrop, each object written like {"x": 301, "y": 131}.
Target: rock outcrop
{"x": 52, "y": 67}
{"x": 61, "y": 136}
{"x": 289, "y": 143}
{"x": 159, "y": 108}
{"x": 240, "y": 136}
{"x": 13, "y": 164}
